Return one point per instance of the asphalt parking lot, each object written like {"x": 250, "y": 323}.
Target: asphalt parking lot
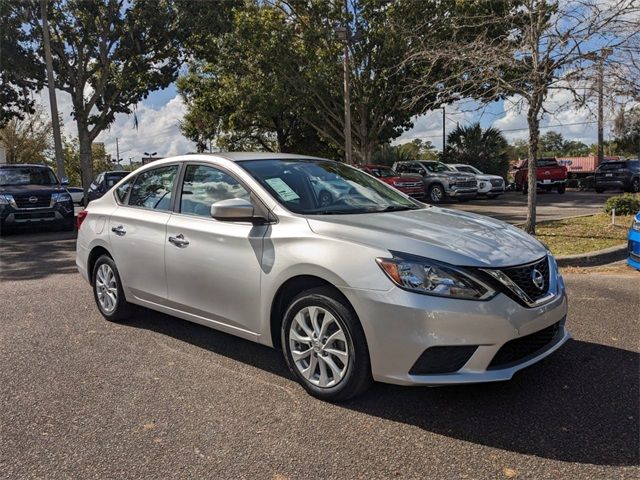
{"x": 162, "y": 398}
{"x": 512, "y": 206}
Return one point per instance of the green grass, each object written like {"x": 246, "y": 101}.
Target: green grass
{"x": 583, "y": 234}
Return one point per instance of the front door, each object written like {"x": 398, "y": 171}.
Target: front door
{"x": 213, "y": 267}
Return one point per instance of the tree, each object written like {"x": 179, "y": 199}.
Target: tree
{"x": 547, "y": 44}
{"x": 518, "y": 150}
{"x": 71, "y": 156}
{"x": 627, "y": 131}
{"x": 27, "y": 139}
{"x": 485, "y": 149}
{"x": 108, "y": 55}
{"x": 282, "y": 66}
{"x": 551, "y": 144}
{"x": 419, "y": 150}
{"x": 22, "y": 70}
{"x": 574, "y": 148}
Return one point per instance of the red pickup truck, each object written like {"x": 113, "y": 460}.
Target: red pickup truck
{"x": 408, "y": 184}
{"x": 549, "y": 175}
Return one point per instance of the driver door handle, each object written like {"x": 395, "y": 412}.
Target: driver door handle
{"x": 179, "y": 241}
{"x": 119, "y": 230}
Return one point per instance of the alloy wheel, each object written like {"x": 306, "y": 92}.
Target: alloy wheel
{"x": 318, "y": 346}
{"x": 106, "y": 288}
{"x": 436, "y": 194}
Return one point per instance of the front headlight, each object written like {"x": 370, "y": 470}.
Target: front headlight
{"x": 60, "y": 197}
{"x": 635, "y": 225}
{"x": 5, "y": 199}
{"x": 481, "y": 185}
{"x": 430, "y": 277}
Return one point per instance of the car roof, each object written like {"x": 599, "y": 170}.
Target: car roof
{"x": 22, "y": 165}
{"x": 240, "y": 156}
{"x": 374, "y": 165}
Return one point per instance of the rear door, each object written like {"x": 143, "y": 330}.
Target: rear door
{"x": 213, "y": 267}
{"x": 137, "y": 232}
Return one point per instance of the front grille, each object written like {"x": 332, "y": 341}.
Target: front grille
{"x": 523, "y": 277}
{"x": 520, "y": 349}
{"x": 496, "y": 182}
{"x": 24, "y": 201}
{"x": 466, "y": 184}
{"x": 436, "y": 360}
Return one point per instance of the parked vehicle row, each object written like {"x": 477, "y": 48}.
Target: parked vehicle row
{"x": 371, "y": 285}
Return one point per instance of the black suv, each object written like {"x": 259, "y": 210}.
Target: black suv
{"x": 33, "y": 195}
{"x": 104, "y": 182}
{"x": 623, "y": 175}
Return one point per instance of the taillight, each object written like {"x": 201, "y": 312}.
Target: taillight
{"x": 80, "y": 218}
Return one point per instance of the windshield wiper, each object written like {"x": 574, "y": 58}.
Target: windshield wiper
{"x": 397, "y": 208}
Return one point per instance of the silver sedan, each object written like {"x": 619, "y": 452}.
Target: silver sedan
{"x": 371, "y": 285}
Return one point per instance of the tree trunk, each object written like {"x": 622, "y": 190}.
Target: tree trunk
{"x": 86, "y": 163}
{"x": 534, "y": 134}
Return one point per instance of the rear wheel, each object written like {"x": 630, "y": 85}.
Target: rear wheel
{"x": 561, "y": 189}
{"x": 635, "y": 186}
{"x": 599, "y": 190}
{"x": 324, "y": 345}
{"x": 108, "y": 292}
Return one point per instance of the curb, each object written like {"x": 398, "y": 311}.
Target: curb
{"x": 599, "y": 257}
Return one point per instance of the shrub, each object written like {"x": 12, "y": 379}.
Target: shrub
{"x": 626, "y": 204}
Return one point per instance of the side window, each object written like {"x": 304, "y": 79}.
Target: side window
{"x": 122, "y": 190}
{"x": 152, "y": 189}
{"x": 203, "y": 186}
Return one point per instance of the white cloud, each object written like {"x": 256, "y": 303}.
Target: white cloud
{"x": 158, "y": 128}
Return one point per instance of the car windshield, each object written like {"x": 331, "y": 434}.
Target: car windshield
{"x": 325, "y": 187}
{"x": 27, "y": 176}
{"x": 546, "y": 162}
{"x": 382, "y": 172}
{"x": 468, "y": 169}
{"x": 436, "y": 167}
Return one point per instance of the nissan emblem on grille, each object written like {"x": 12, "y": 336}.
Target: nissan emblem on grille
{"x": 33, "y": 199}
{"x": 537, "y": 278}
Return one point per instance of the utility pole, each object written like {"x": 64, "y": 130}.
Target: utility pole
{"x": 604, "y": 53}
{"x": 444, "y": 136}
{"x": 117, "y": 152}
{"x": 343, "y": 35}
{"x": 55, "y": 120}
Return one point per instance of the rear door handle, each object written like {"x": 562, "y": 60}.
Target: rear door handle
{"x": 179, "y": 241}
{"x": 119, "y": 230}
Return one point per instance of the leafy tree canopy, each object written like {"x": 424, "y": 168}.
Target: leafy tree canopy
{"x": 485, "y": 149}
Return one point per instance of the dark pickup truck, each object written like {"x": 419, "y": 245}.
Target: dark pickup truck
{"x": 32, "y": 195}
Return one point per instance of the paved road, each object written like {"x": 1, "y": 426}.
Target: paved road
{"x": 512, "y": 207}
{"x": 162, "y": 398}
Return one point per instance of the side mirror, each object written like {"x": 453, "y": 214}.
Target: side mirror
{"x": 64, "y": 181}
{"x": 233, "y": 210}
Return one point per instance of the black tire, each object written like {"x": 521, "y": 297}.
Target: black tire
{"x": 635, "y": 186}
{"x": 599, "y": 190}
{"x": 123, "y": 309}
{"x": 436, "y": 194}
{"x": 357, "y": 377}
{"x": 325, "y": 199}
{"x": 561, "y": 189}
{"x": 524, "y": 190}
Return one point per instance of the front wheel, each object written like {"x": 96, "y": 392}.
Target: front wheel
{"x": 108, "y": 292}
{"x": 325, "y": 347}
{"x": 436, "y": 194}
{"x": 635, "y": 186}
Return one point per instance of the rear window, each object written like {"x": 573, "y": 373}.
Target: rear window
{"x": 113, "y": 178}
{"x": 547, "y": 162}
{"x": 381, "y": 172}
{"x": 609, "y": 166}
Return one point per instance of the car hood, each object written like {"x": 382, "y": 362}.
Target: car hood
{"x": 30, "y": 189}
{"x": 451, "y": 236}
{"x": 488, "y": 177}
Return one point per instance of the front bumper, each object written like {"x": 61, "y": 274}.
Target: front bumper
{"x": 24, "y": 217}
{"x": 615, "y": 184}
{"x": 634, "y": 249}
{"x": 462, "y": 192}
{"x": 400, "y": 326}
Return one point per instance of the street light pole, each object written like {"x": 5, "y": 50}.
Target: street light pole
{"x": 604, "y": 53}
{"x": 347, "y": 104}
